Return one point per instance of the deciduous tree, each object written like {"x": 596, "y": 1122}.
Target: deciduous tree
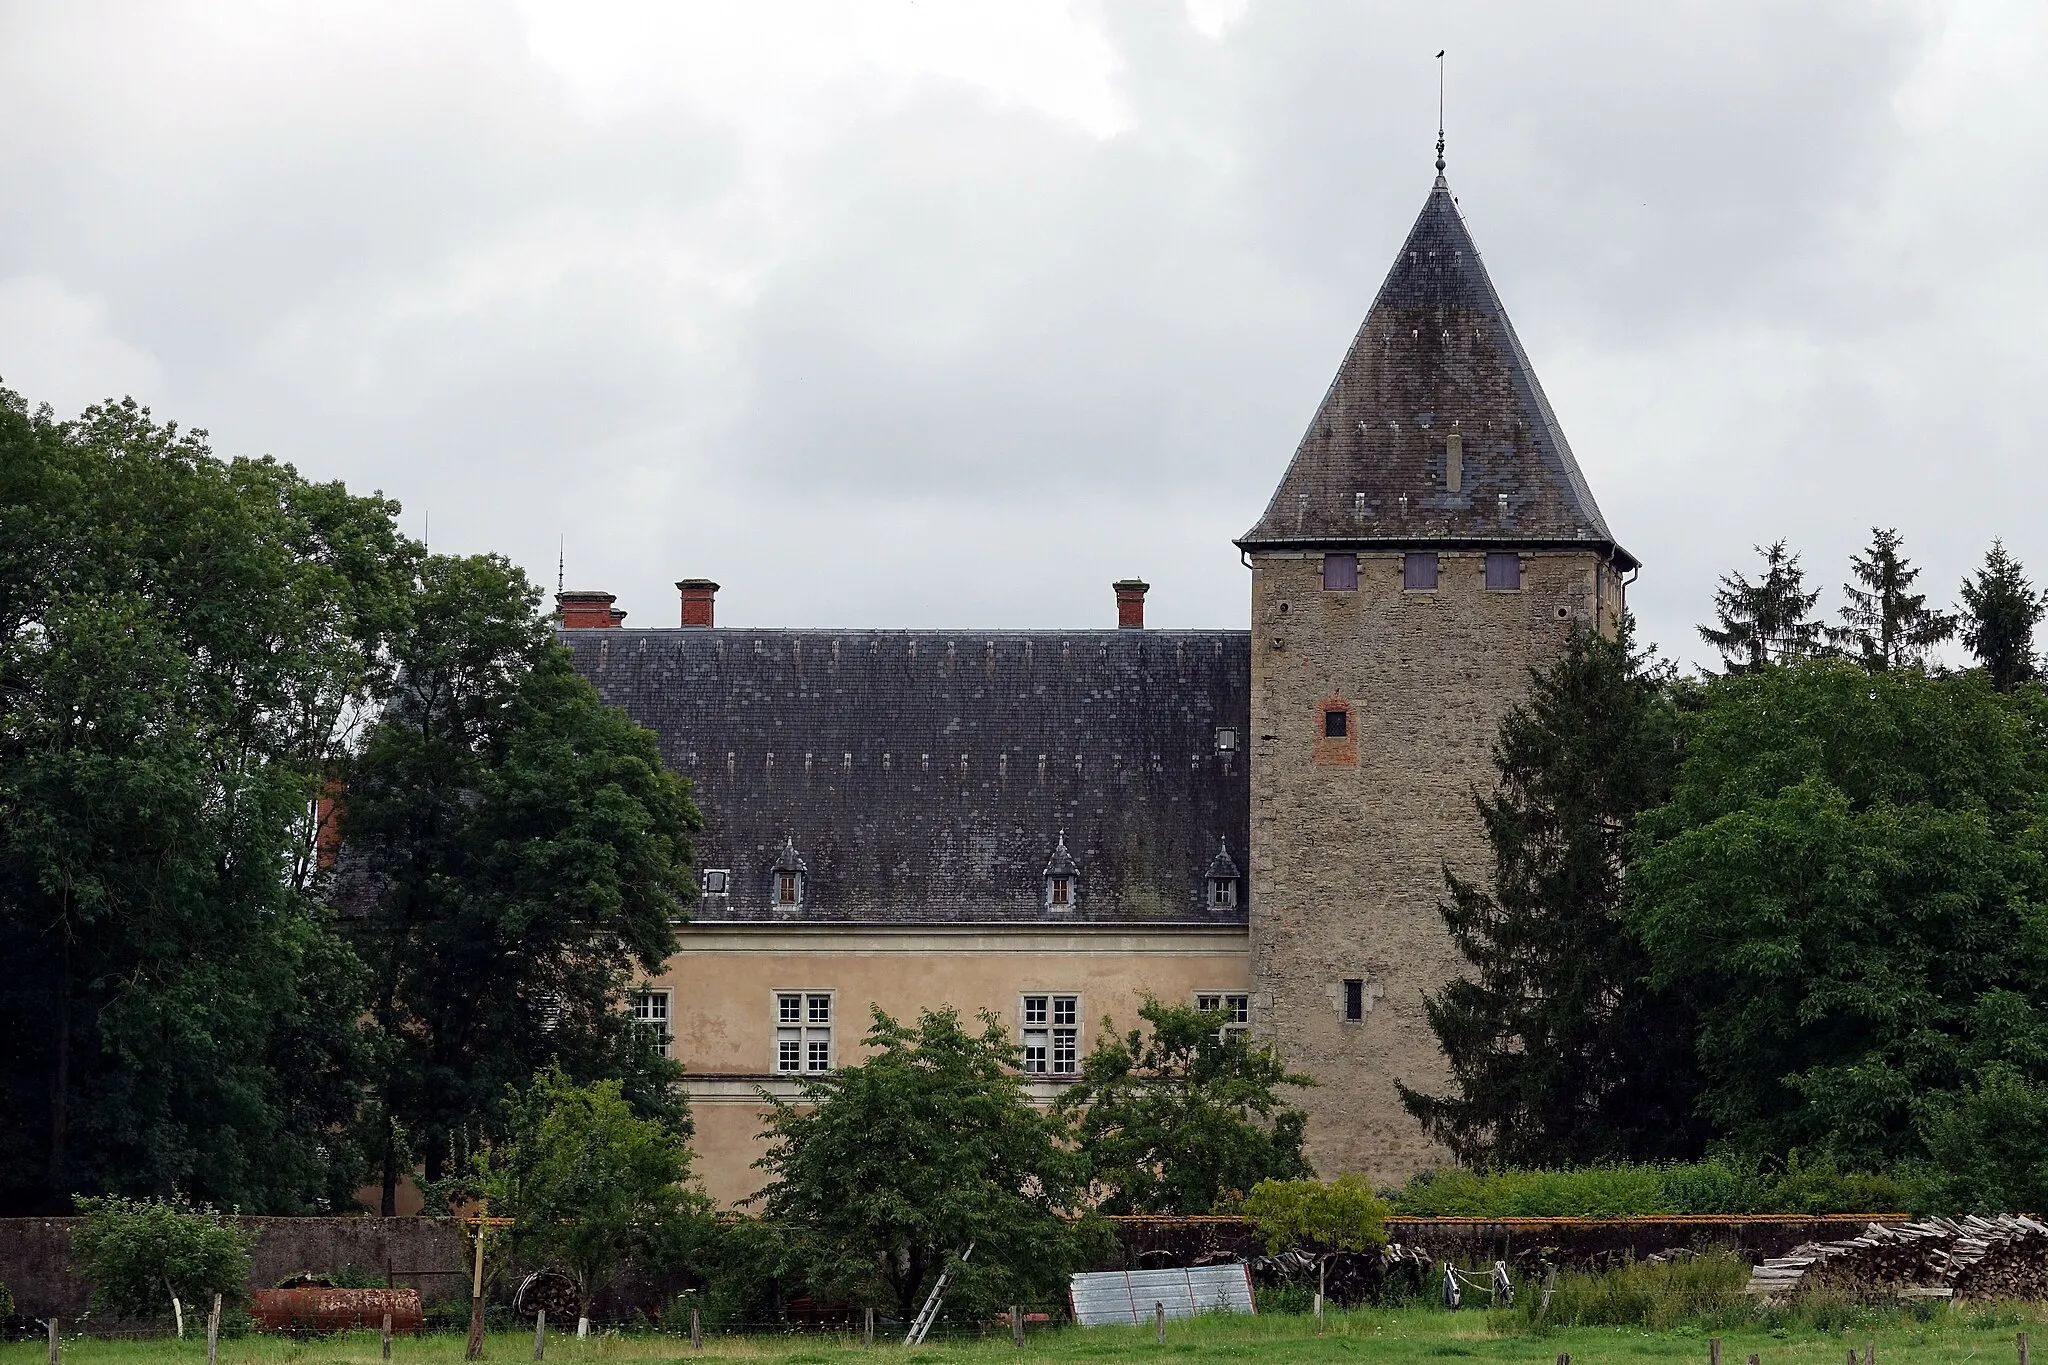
{"x": 148, "y": 1258}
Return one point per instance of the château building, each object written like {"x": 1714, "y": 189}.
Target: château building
{"x": 1054, "y": 825}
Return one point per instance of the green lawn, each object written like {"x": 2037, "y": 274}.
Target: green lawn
{"x": 1959, "y": 1335}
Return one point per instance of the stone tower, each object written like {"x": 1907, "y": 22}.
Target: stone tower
{"x": 1432, "y": 540}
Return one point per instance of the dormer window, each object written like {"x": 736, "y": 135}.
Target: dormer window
{"x": 1062, "y": 879}
{"x": 716, "y": 881}
{"x": 787, "y": 878}
{"x": 1222, "y": 879}
{"x": 1226, "y": 741}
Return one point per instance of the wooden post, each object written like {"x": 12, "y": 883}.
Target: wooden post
{"x": 1713, "y": 1351}
{"x": 1564, "y": 1358}
{"x": 1159, "y": 1318}
{"x": 1852, "y": 1355}
{"x": 213, "y": 1333}
{"x": 1870, "y": 1352}
{"x": 1322, "y": 1284}
{"x": 697, "y": 1328}
{"x": 1550, "y": 1287}
{"x": 387, "y": 1336}
{"x": 1753, "y": 1360}
{"x": 540, "y": 1332}
{"x": 867, "y": 1327}
{"x": 475, "y": 1350}
{"x": 54, "y": 1350}
{"x": 2024, "y": 1360}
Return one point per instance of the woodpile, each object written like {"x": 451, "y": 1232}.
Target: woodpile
{"x": 2004, "y": 1257}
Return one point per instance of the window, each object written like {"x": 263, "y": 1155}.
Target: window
{"x": 1236, "y": 1009}
{"x": 717, "y": 881}
{"x": 785, "y": 888}
{"x": 1336, "y": 723}
{"x": 1354, "y": 1000}
{"x": 1052, "y": 1035}
{"x": 1503, "y": 571}
{"x": 1418, "y": 571}
{"x": 651, "y": 1009}
{"x": 803, "y": 1032}
{"x": 1340, "y": 573}
{"x": 1226, "y": 741}
{"x": 1454, "y": 461}
{"x": 1222, "y": 892}
{"x": 1062, "y": 893}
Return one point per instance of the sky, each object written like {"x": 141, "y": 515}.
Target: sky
{"x": 904, "y": 313}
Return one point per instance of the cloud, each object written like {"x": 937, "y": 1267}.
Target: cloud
{"x": 61, "y": 347}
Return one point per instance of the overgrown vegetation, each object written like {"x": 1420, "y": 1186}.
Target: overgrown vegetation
{"x": 149, "y": 1258}
{"x": 1725, "y": 1185}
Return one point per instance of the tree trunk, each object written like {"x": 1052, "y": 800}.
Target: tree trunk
{"x": 388, "y": 1204}
{"x": 60, "y": 1087}
{"x": 583, "y": 1297}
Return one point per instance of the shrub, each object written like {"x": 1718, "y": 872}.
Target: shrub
{"x": 144, "y": 1256}
{"x": 1697, "y": 1289}
{"x": 1719, "y": 1185}
{"x": 1344, "y": 1215}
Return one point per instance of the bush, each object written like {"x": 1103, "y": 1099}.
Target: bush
{"x": 1344, "y": 1215}
{"x": 1720, "y": 1185}
{"x": 147, "y": 1257}
{"x": 1698, "y": 1289}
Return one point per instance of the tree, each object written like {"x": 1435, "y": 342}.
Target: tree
{"x": 1558, "y": 1052}
{"x": 146, "y": 1255}
{"x": 1764, "y": 622}
{"x": 514, "y": 851}
{"x": 590, "y": 1184}
{"x": 2002, "y": 611}
{"x": 1171, "y": 1122}
{"x": 885, "y": 1173}
{"x": 183, "y": 644}
{"x": 1846, "y": 882}
{"x": 1884, "y": 623}
{"x": 1344, "y": 1215}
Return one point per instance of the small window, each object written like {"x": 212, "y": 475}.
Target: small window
{"x": 789, "y": 1009}
{"x": 717, "y": 880}
{"x": 820, "y": 1009}
{"x": 1226, "y": 741}
{"x": 1454, "y": 461}
{"x": 1503, "y": 571}
{"x": 651, "y": 1009}
{"x": 1235, "y": 1009}
{"x": 803, "y": 1032}
{"x": 1062, "y": 893}
{"x": 1354, "y": 1000}
{"x": 1340, "y": 573}
{"x": 1222, "y": 892}
{"x": 1418, "y": 571}
{"x": 1055, "y": 1049}
{"x": 1336, "y": 723}
{"x": 785, "y": 888}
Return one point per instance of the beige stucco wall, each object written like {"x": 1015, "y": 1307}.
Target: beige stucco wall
{"x": 1349, "y": 844}
{"x": 723, "y": 980}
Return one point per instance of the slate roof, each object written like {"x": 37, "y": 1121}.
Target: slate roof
{"x": 927, "y": 776}
{"x": 1436, "y": 354}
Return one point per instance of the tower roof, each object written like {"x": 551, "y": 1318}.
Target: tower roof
{"x": 1436, "y": 357}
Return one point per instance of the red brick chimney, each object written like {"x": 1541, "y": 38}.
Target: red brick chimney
{"x": 587, "y": 610}
{"x": 699, "y": 596}
{"x": 1130, "y": 603}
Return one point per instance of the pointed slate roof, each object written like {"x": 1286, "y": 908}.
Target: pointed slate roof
{"x": 1435, "y": 356}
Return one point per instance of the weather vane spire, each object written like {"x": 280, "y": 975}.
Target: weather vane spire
{"x": 561, "y": 563}
{"x": 1440, "y": 111}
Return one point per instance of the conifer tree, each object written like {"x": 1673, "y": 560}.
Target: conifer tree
{"x": 1885, "y": 624}
{"x": 1558, "y": 1053}
{"x": 1766, "y": 621}
{"x": 2002, "y": 611}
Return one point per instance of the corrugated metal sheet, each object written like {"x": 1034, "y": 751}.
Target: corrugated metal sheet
{"x": 1130, "y": 1297}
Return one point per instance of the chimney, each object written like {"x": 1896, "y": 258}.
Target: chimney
{"x": 1130, "y": 603}
{"x": 699, "y": 596}
{"x": 587, "y": 610}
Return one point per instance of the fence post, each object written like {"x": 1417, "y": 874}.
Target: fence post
{"x": 1870, "y": 1352}
{"x": 1713, "y": 1351}
{"x": 696, "y": 1330}
{"x": 475, "y": 1349}
{"x": 1017, "y": 1325}
{"x": 2023, "y": 1348}
{"x": 387, "y": 1336}
{"x": 1753, "y": 1360}
{"x": 540, "y": 1332}
{"x": 1322, "y": 1285}
{"x": 867, "y": 1327}
{"x": 213, "y": 1333}
{"x": 1159, "y": 1317}
{"x": 1564, "y": 1358}
{"x": 55, "y": 1350}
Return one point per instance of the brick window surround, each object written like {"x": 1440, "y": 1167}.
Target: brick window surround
{"x": 1336, "y": 733}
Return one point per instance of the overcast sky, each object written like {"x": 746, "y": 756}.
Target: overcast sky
{"x": 948, "y": 314}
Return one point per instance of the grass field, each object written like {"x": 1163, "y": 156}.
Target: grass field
{"x": 1985, "y": 1336}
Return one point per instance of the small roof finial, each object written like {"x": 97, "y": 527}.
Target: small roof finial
{"x": 1440, "y": 112}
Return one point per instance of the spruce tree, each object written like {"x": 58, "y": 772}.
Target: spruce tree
{"x": 1766, "y": 621}
{"x": 1557, "y": 1052}
{"x": 1885, "y": 624}
{"x": 2002, "y": 611}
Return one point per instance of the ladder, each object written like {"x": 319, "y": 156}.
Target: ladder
{"x": 930, "y": 1310}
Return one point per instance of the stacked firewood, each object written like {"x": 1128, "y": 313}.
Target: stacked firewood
{"x": 1979, "y": 1258}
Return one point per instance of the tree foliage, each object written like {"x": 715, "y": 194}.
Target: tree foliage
{"x": 883, "y": 1173}
{"x": 515, "y": 850}
{"x": 146, "y": 1258}
{"x": 589, "y": 1183}
{"x": 184, "y": 644}
{"x": 1884, "y": 623}
{"x": 2001, "y": 609}
{"x": 1558, "y": 1052}
{"x": 1171, "y": 1122}
{"x": 1766, "y": 621}
{"x": 1847, "y": 885}
{"x": 1344, "y": 1215}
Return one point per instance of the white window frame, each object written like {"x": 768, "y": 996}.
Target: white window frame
{"x": 717, "y": 881}
{"x": 804, "y": 1018}
{"x": 659, "y": 1016}
{"x": 1238, "y": 1002}
{"x": 1049, "y": 1031}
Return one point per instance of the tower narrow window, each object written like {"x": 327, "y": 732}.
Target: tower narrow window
{"x": 1336, "y": 723}
{"x": 1503, "y": 571}
{"x": 1340, "y": 573}
{"x": 1454, "y": 462}
{"x": 1418, "y": 571}
{"x": 1354, "y": 1000}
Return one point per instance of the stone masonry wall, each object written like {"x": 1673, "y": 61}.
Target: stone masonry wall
{"x": 1349, "y": 843}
